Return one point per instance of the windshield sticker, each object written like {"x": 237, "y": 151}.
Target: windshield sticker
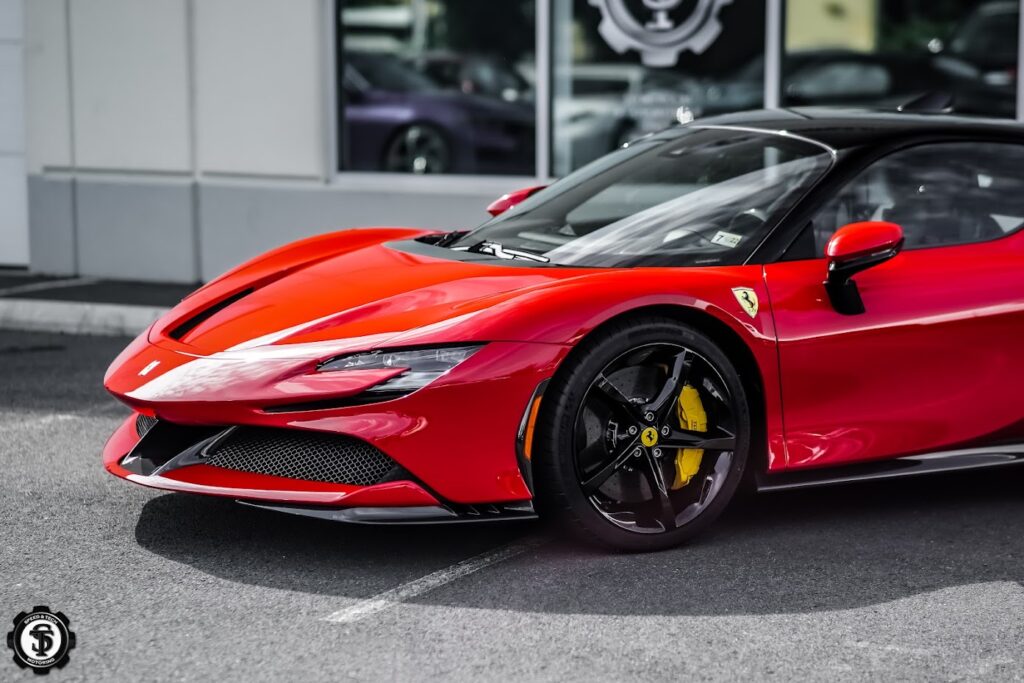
{"x": 726, "y": 239}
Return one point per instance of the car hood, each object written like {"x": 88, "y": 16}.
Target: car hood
{"x": 367, "y": 297}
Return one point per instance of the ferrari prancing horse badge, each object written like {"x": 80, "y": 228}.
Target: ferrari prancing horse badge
{"x": 747, "y": 298}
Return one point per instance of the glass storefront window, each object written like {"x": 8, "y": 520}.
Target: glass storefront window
{"x": 437, "y": 86}
{"x": 449, "y": 86}
{"x": 883, "y": 54}
{"x": 625, "y": 68}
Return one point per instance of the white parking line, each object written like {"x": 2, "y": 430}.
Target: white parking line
{"x": 38, "y": 421}
{"x": 101, "y": 411}
{"x": 425, "y": 584}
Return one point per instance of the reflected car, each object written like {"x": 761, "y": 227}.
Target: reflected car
{"x": 474, "y": 74}
{"x": 612, "y": 104}
{"x": 830, "y": 77}
{"x": 981, "y": 60}
{"x": 397, "y": 119}
{"x": 784, "y": 298}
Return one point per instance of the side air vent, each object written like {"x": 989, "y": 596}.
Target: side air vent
{"x": 179, "y": 332}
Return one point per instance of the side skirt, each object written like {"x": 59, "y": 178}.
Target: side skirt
{"x": 907, "y": 466}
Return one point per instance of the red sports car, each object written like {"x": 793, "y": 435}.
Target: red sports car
{"x": 800, "y": 296}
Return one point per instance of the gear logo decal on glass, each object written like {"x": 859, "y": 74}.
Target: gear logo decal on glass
{"x": 659, "y": 38}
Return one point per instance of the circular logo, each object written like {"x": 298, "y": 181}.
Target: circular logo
{"x": 41, "y": 639}
{"x": 659, "y": 38}
{"x": 649, "y": 437}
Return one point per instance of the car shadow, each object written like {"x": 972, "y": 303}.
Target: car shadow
{"x": 797, "y": 552}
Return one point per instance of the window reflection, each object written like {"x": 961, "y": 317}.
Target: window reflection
{"x": 883, "y": 54}
{"x": 688, "y": 197}
{"x": 437, "y": 86}
{"x": 625, "y": 68}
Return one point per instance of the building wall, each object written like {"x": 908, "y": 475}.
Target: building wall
{"x": 13, "y": 192}
{"x": 258, "y": 91}
{"x": 129, "y": 64}
{"x": 172, "y": 139}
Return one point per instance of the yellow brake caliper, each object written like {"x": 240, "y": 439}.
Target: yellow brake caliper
{"x": 692, "y": 416}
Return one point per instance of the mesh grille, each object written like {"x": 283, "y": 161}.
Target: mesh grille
{"x": 310, "y": 456}
{"x": 143, "y": 423}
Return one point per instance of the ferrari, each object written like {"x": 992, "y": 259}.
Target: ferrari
{"x": 777, "y": 299}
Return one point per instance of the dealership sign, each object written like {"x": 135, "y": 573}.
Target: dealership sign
{"x": 659, "y": 37}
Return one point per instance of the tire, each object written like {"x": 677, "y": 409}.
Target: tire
{"x": 420, "y": 149}
{"x": 595, "y": 420}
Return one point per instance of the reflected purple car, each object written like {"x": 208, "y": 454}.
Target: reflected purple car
{"x": 396, "y": 119}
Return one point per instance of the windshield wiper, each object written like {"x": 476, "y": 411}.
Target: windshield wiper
{"x": 442, "y": 239}
{"x": 497, "y": 250}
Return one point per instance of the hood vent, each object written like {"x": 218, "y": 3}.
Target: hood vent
{"x": 181, "y": 331}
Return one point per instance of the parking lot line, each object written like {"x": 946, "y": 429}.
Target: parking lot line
{"x": 40, "y": 421}
{"x": 407, "y": 591}
{"x": 33, "y": 422}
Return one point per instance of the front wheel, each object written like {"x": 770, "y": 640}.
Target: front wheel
{"x": 644, "y": 436}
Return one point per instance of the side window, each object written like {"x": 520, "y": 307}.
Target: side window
{"x": 940, "y": 194}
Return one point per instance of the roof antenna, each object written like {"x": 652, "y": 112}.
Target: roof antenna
{"x": 934, "y": 102}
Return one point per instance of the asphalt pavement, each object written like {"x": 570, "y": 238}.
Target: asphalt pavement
{"x": 912, "y": 580}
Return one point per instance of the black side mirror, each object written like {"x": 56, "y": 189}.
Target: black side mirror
{"x": 853, "y": 249}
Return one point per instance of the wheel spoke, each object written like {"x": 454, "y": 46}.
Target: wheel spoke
{"x": 685, "y": 438}
{"x": 597, "y": 480}
{"x": 611, "y": 393}
{"x": 676, "y": 379}
{"x": 656, "y": 478}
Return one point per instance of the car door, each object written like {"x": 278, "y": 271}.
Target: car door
{"x": 936, "y": 361}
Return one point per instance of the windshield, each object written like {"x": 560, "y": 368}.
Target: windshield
{"x": 693, "y": 198}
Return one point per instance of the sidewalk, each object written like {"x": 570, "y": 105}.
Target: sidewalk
{"x": 83, "y": 305}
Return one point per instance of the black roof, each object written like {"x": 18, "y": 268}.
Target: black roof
{"x": 842, "y": 128}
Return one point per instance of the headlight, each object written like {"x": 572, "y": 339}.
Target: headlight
{"x": 422, "y": 366}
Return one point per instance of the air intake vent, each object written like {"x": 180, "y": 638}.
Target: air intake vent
{"x": 143, "y": 423}
{"x": 310, "y": 456}
{"x": 179, "y": 332}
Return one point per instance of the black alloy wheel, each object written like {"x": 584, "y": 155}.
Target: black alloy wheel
{"x": 621, "y": 461}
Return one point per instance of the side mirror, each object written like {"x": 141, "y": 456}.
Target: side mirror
{"x": 507, "y": 201}
{"x": 855, "y": 248}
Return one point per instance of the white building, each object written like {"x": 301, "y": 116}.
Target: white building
{"x": 167, "y": 140}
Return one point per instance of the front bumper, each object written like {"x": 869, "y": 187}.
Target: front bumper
{"x": 456, "y": 438}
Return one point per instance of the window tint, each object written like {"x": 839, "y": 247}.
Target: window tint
{"x": 940, "y": 194}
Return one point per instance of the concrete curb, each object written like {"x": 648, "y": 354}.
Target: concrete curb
{"x": 76, "y": 317}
